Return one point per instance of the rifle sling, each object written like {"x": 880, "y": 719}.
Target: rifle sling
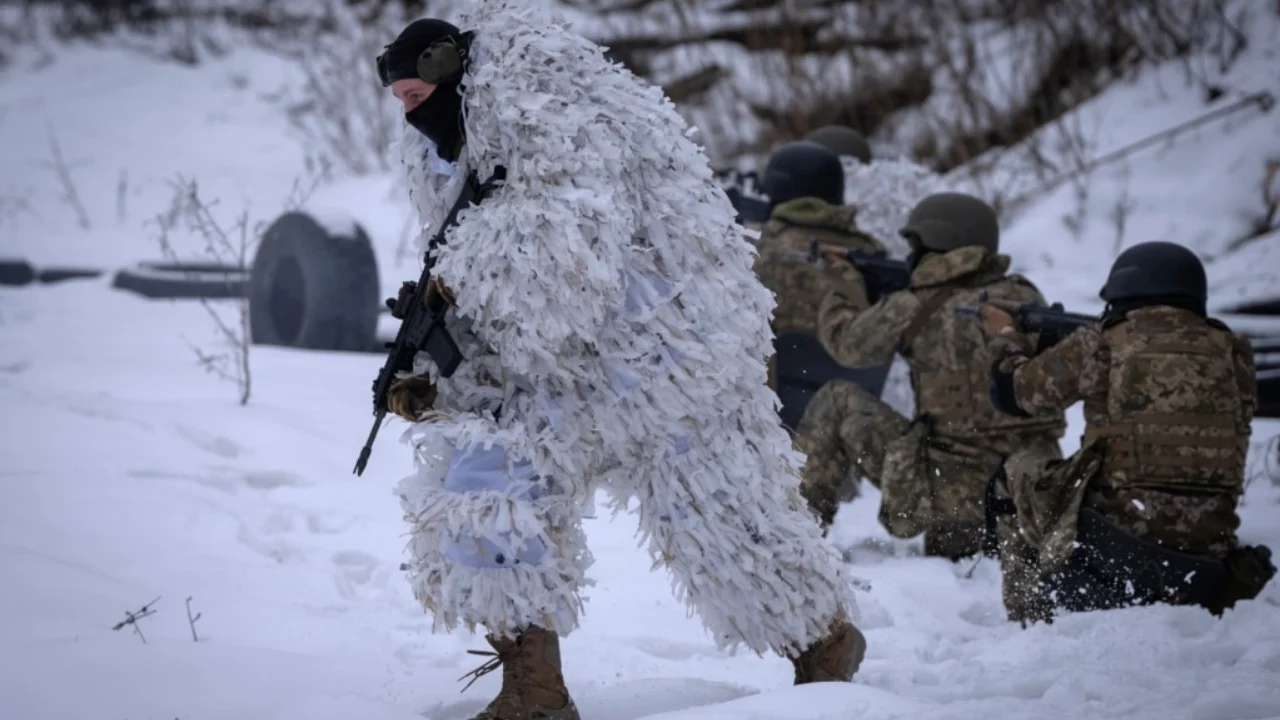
{"x": 472, "y": 191}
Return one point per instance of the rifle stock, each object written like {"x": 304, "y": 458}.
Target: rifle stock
{"x": 882, "y": 275}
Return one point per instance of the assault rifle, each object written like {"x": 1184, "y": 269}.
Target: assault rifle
{"x": 881, "y": 275}
{"x": 743, "y": 189}
{"x": 1052, "y": 324}
{"x": 421, "y": 313}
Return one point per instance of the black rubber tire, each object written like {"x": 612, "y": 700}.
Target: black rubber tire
{"x": 311, "y": 289}
{"x": 16, "y": 273}
{"x": 1268, "y": 307}
{"x": 48, "y": 276}
{"x": 182, "y": 281}
{"x": 1266, "y": 357}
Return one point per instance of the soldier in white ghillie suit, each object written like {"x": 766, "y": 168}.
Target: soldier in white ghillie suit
{"x": 615, "y": 338}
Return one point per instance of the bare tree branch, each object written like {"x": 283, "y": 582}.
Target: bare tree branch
{"x": 229, "y": 246}
{"x": 191, "y": 621}
{"x": 62, "y": 170}
{"x": 131, "y": 619}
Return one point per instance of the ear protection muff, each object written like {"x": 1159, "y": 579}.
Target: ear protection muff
{"x": 442, "y": 62}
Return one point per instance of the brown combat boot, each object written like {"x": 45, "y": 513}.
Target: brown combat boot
{"x": 532, "y": 683}
{"x": 834, "y": 658}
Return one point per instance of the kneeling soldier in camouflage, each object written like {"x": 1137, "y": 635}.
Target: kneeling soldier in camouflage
{"x": 1145, "y": 511}
{"x": 932, "y": 469}
{"x": 805, "y": 185}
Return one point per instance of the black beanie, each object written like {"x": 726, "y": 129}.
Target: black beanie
{"x": 399, "y": 61}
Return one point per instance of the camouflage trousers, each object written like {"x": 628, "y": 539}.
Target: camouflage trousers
{"x": 1039, "y": 485}
{"x": 843, "y": 432}
{"x": 1048, "y": 494}
{"x": 934, "y": 486}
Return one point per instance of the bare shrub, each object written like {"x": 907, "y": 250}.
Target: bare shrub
{"x": 62, "y": 169}
{"x": 131, "y": 618}
{"x": 1268, "y": 219}
{"x": 340, "y": 109}
{"x": 192, "y": 619}
{"x": 1121, "y": 209}
{"x": 1263, "y": 462}
{"x": 182, "y": 31}
{"x": 229, "y": 245}
{"x": 15, "y": 203}
{"x": 950, "y": 79}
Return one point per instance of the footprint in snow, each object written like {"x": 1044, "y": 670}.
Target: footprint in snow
{"x": 272, "y": 479}
{"x": 268, "y": 541}
{"x": 15, "y": 368}
{"x": 329, "y": 523}
{"x": 215, "y": 444}
{"x": 668, "y": 650}
{"x": 221, "y": 479}
{"x": 624, "y": 701}
{"x": 353, "y": 569}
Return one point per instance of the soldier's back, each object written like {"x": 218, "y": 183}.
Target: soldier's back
{"x": 1173, "y": 424}
{"x": 948, "y": 354}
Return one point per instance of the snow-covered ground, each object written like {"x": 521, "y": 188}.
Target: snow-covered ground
{"x": 129, "y": 474}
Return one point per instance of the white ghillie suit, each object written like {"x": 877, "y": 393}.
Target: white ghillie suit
{"x": 884, "y": 191}
{"x": 606, "y": 305}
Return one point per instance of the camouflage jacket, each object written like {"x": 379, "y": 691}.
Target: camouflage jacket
{"x": 783, "y": 265}
{"x": 946, "y": 352}
{"x": 1168, "y": 401}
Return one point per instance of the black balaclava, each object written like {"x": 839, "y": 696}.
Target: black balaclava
{"x": 439, "y": 117}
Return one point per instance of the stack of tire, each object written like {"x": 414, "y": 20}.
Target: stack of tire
{"x": 1266, "y": 353}
{"x": 1266, "y": 358}
{"x": 310, "y": 287}
{"x": 17, "y": 273}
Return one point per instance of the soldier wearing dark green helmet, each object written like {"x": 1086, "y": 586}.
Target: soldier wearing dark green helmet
{"x": 932, "y": 468}
{"x": 842, "y": 140}
{"x": 948, "y": 221}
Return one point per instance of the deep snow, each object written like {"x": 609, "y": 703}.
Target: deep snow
{"x": 130, "y": 474}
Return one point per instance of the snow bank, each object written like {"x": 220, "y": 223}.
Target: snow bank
{"x": 1201, "y": 188}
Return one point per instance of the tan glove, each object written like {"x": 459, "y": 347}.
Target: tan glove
{"x": 436, "y": 289}
{"x": 996, "y": 320}
{"x": 835, "y": 256}
{"x": 411, "y": 398}
{"x": 437, "y": 292}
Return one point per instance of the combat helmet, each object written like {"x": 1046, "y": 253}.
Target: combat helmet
{"x": 1156, "y": 270}
{"x": 945, "y": 221}
{"x": 842, "y": 140}
{"x": 803, "y": 169}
